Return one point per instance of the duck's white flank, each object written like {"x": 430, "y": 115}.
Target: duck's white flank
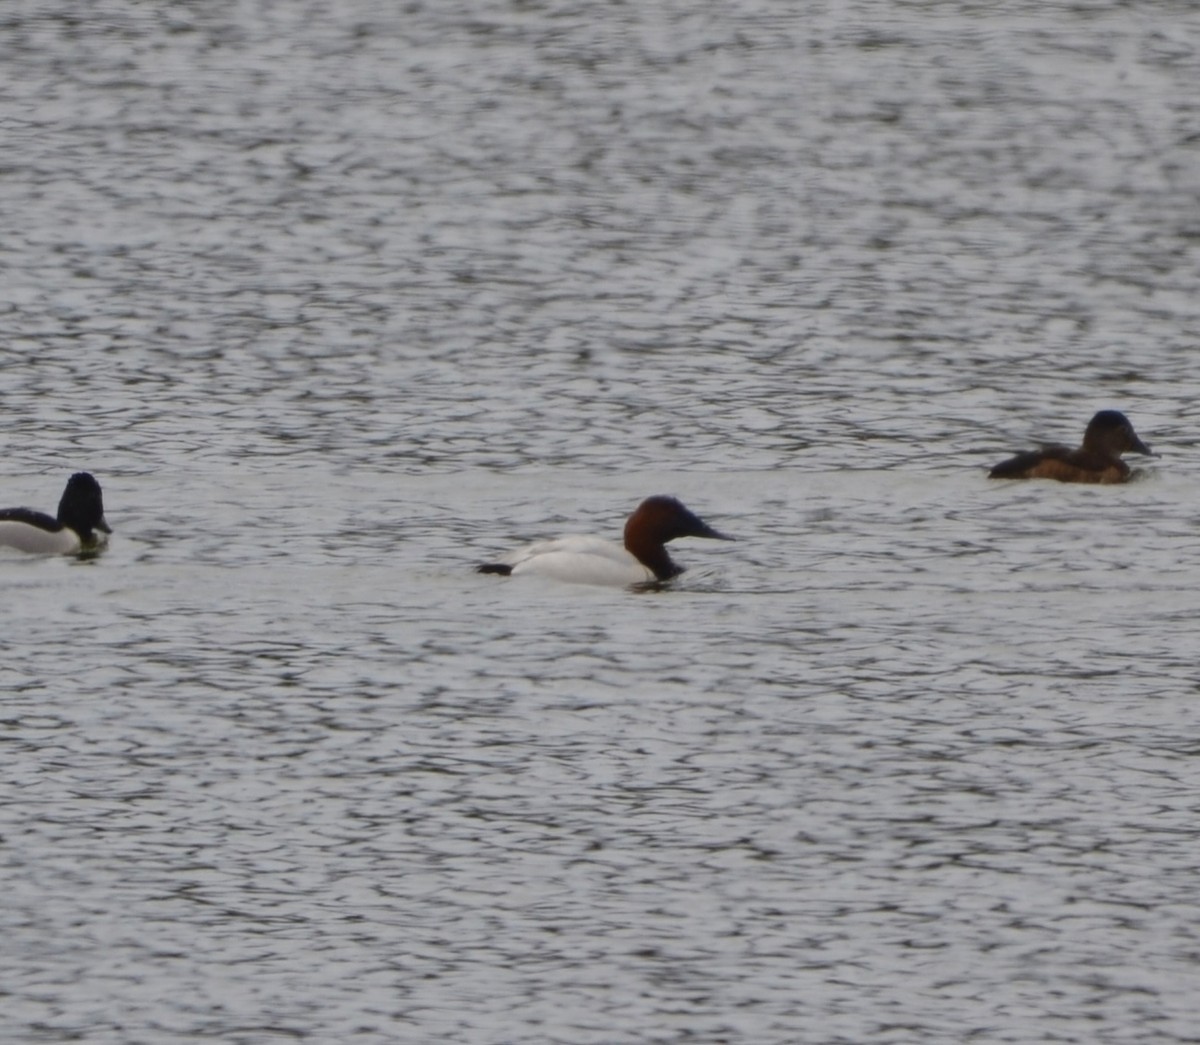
{"x": 582, "y": 560}
{"x": 36, "y": 541}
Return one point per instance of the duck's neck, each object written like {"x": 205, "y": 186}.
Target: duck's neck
{"x": 654, "y": 557}
{"x": 1098, "y": 443}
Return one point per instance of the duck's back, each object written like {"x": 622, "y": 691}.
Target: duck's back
{"x": 1064, "y": 465}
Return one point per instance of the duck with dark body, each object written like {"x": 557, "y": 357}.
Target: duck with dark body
{"x": 1109, "y": 434}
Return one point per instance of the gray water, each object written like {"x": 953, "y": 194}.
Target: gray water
{"x": 338, "y": 300}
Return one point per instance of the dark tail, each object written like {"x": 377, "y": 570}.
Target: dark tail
{"x": 494, "y": 567}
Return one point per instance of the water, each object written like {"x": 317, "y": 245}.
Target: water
{"x": 339, "y": 300}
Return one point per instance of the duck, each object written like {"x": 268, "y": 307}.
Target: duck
{"x": 641, "y": 560}
{"x": 1109, "y": 435}
{"x": 80, "y": 515}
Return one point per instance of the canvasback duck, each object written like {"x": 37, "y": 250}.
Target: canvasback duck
{"x": 594, "y": 560}
{"x": 80, "y": 515}
{"x": 1109, "y": 434}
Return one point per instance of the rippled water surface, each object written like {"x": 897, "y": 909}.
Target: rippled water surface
{"x": 338, "y": 300}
